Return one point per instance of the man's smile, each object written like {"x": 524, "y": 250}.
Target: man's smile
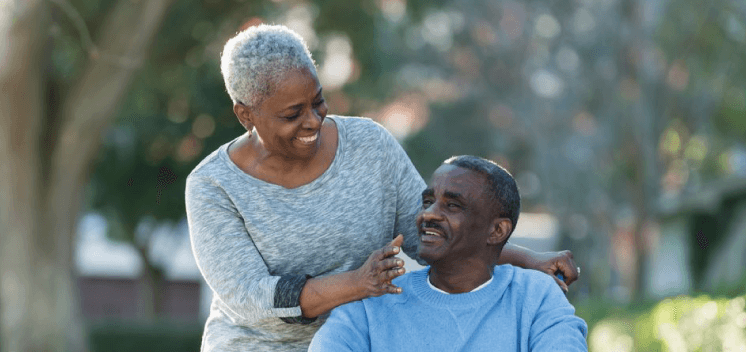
{"x": 431, "y": 233}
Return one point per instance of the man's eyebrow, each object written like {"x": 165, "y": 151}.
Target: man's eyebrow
{"x": 453, "y": 195}
{"x": 428, "y": 192}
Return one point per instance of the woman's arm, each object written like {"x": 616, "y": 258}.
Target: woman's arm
{"x": 321, "y": 295}
{"x": 547, "y": 262}
{"x": 228, "y": 258}
{"x": 236, "y": 272}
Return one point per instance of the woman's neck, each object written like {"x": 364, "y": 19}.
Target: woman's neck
{"x": 249, "y": 154}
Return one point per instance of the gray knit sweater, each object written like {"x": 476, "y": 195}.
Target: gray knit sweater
{"x": 256, "y": 243}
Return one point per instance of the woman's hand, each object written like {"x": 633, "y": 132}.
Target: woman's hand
{"x": 554, "y": 263}
{"x": 322, "y": 294}
{"x": 375, "y": 276}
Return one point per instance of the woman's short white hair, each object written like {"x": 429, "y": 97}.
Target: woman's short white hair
{"x": 256, "y": 59}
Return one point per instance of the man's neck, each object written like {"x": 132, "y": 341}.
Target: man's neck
{"x": 459, "y": 278}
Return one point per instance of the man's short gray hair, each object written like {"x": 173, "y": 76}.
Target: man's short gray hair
{"x": 256, "y": 59}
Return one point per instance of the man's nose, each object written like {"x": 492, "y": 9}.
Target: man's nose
{"x": 430, "y": 212}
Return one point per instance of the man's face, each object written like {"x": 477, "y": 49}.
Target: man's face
{"x": 456, "y": 215}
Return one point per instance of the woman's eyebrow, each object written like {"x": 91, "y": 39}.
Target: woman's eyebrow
{"x": 294, "y": 107}
{"x": 300, "y": 105}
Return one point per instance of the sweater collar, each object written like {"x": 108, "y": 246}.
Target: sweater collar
{"x": 448, "y": 293}
{"x": 502, "y": 275}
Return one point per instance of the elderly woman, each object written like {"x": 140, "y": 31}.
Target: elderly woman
{"x": 301, "y": 214}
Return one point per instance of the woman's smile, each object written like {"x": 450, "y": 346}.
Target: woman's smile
{"x": 309, "y": 139}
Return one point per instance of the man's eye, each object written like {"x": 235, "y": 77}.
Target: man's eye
{"x": 454, "y": 205}
{"x": 426, "y": 203}
{"x": 291, "y": 117}
{"x": 318, "y": 103}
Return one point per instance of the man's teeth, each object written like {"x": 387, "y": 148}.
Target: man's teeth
{"x": 432, "y": 233}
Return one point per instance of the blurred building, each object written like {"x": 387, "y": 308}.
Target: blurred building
{"x": 110, "y": 281}
{"x": 703, "y": 241}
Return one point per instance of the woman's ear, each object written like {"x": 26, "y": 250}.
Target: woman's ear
{"x": 501, "y": 229}
{"x": 244, "y": 115}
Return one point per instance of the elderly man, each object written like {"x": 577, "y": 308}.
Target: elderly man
{"x": 462, "y": 301}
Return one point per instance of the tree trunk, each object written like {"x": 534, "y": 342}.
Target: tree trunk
{"x": 645, "y": 132}
{"x": 150, "y": 288}
{"x": 42, "y": 175}
{"x": 37, "y": 297}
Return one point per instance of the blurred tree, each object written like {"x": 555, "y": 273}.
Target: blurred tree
{"x": 51, "y": 131}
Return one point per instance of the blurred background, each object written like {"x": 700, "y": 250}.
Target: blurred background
{"x": 623, "y": 121}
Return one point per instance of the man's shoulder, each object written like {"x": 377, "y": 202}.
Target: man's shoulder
{"x": 525, "y": 279}
{"x": 408, "y": 278}
{"x": 405, "y": 282}
{"x": 533, "y": 289}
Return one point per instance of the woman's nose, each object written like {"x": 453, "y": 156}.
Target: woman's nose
{"x": 313, "y": 120}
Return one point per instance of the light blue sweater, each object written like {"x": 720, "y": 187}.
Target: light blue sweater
{"x": 520, "y": 310}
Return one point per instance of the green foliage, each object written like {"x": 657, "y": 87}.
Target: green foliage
{"x": 176, "y": 112}
{"x": 675, "y": 324}
{"x": 141, "y": 337}
{"x": 706, "y": 37}
{"x": 731, "y": 119}
{"x": 456, "y": 129}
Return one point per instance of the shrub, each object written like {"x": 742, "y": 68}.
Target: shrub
{"x": 144, "y": 337}
{"x": 676, "y": 324}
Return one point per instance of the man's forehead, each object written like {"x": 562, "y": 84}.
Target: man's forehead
{"x": 450, "y": 177}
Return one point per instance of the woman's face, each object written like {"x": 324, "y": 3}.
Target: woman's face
{"x": 288, "y": 122}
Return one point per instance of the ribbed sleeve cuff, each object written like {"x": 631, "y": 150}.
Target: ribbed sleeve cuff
{"x": 287, "y": 295}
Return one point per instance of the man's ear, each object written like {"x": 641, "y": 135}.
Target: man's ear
{"x": 501, "y": 228}
{"x": 245, "y": 116}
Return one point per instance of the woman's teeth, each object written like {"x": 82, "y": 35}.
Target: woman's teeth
{"x": 308, "y": 139}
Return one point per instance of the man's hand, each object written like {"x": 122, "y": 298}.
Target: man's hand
{"x": 381, "y": 267}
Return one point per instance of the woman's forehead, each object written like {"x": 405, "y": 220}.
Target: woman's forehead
{"x": 294, "y": 87}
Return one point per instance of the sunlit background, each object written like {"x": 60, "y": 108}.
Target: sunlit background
{"x": 623, "y": 121}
